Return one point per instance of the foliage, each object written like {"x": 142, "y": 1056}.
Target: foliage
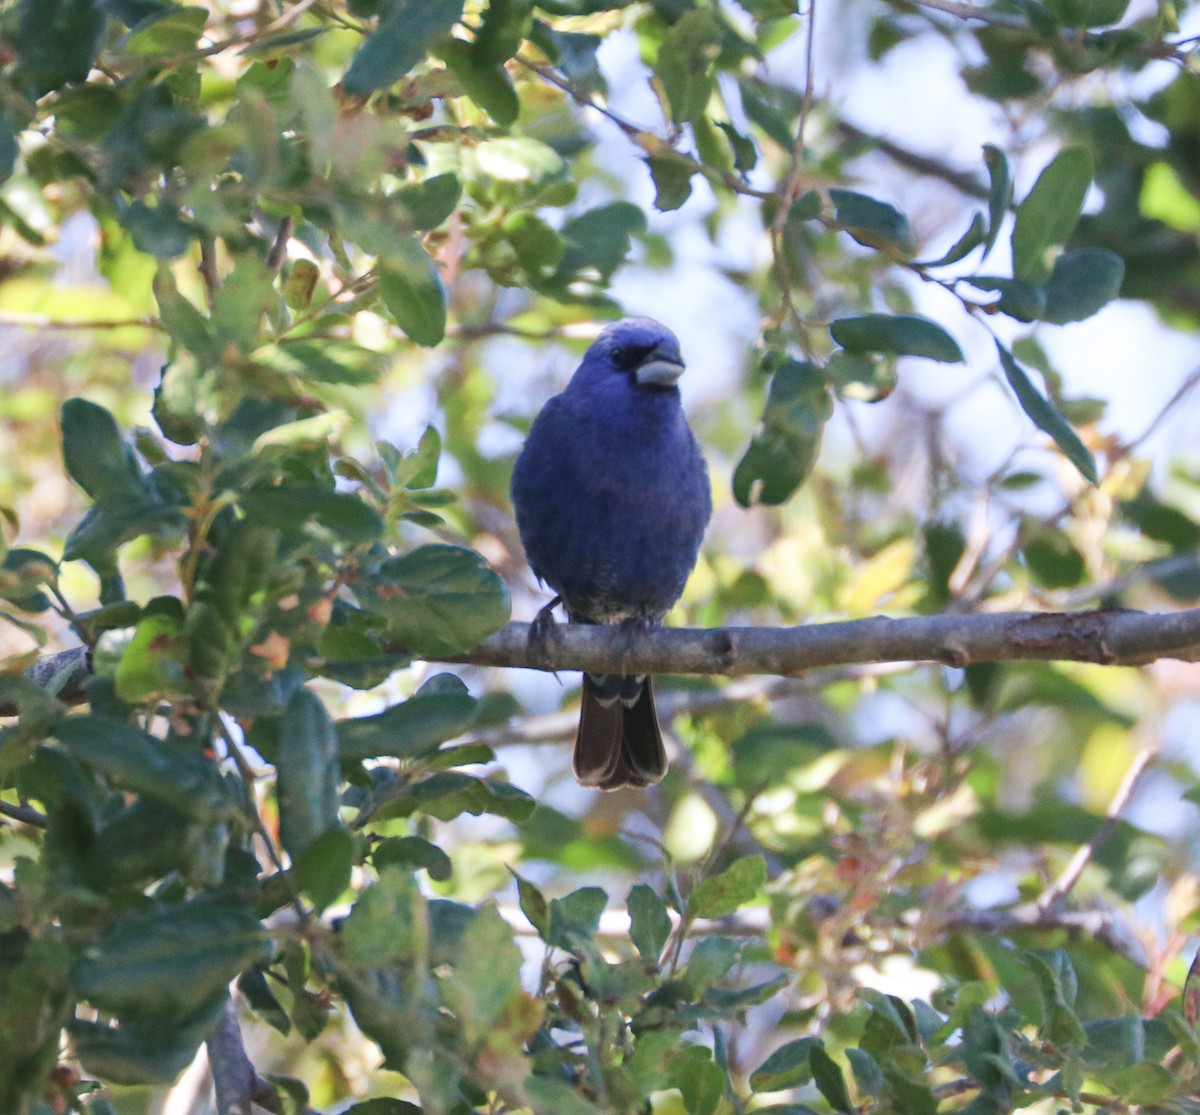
{"x": 289, "y": 205}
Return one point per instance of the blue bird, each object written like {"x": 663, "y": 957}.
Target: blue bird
{"x": 612, "y": 499}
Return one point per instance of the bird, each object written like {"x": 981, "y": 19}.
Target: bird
{"x": 612, "y": 500}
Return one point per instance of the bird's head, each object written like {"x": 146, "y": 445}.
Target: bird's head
{"x": 643, "y": 350}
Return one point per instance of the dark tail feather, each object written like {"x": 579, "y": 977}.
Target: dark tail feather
{"x": 619, "y": 741}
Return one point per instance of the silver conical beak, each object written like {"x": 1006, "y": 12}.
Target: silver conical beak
{"x": 660, "y": 373}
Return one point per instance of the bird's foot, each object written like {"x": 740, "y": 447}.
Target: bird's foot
{"x": 630, "y": 628}
{"x": 543, "y": 634}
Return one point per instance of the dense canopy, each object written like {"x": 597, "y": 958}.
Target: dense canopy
{"x": 282, "y": 286}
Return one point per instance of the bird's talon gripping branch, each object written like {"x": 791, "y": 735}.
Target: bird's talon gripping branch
{"x": 543, "y": 634}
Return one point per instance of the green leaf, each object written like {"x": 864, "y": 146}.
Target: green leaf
{"x": 550, "y": 1095}
{"x": 144, "y": 841}
{"x": 486, "y": 83}
{"x": 864, "y": 376}
{"x": 412, "y": 729}
{"x": 487, "y": 977}
{"x": 430, "y": 202}
{"x": 307, "y": 773}
{"x": 135, "y": 760}
{"x": 975, "y": 235}
{"x": 291, "y": 508}
{"x": 672, "y": 175}
{"x": 327, "y": 360}
{"x": 323, "y": 867}
{"x": 301, "y": 284}
{"x": 448, "y": 794}
{"x": 383, "y": 1107}
{"x": 1053, "y": 560}
{"x": 873, "y": 223}
{"x": 158, "y": 231}
{"x": 1049, "y": 213}
{"x": 575, "y": 918}
{"x": 1019, "y": 300}
{"x": 143, "y": 1052}
{"x": 783, "y": 451}
{"x": 533, "y": 905}
{"x": 153, "y": 663}
{"x": 187, "y": 325}
{"x": 96, "y": 456}
{"x": 684, "y": 62}
{"x": 868, "y": 1076}
{"x": 700, "y": 1081}
{"x": 10, "y": 148}
{"x": 413, "y": 852}
{"x": 601, "y": 239}
{"x": 247, "y": 293}
{"x": 437, "y": 599}
{"x": 1046, "y": 416}
{"x": 505, "y": 26}
{"x": 649, "y": 923}
{"x": 898, "y": 334}
{"x": 174, "y": 30}
{"x": 1000, "y": 192}
{"x": 381, "y": 926}
{"x": 229, "y": 598}
{"x": 827, "y": 1076}
{"x": 518, "y": 159}
{"x": 414, "y": 294}
{"x": 720, "y": 895}
{"x": 253, "y": 985}
{"x": 539, "y": 247}
{"x": 399, "y": 43}
{"x": 167, "y": 964}
{"x": 788, "y": 1067}
{"x": 1082, "y": 283}
{"x": 1146, "y": 1084}
{"x": 56, "y": 42}
{"x": 21, "y": 573}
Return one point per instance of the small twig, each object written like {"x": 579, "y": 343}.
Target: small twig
{"x": 925, "y": 165}
{"x": 25, "y": 814}
{"x": 975, "y": 12}
{"x": 1185, "y": 388}
{"x": 1150, "y": 571}
{"x": 255, "y": 817}
{"x": 278, "y": 252}
{"x": 44, "y": 321}
{"x": 1097, "y": 925}
{"x": 1065, "y": 883}
{"x": 208, "y": 270}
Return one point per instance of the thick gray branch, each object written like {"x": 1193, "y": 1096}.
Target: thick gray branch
{"x": 1111, "y": 638}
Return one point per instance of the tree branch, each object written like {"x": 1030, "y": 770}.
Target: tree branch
{"x": 963, "y": 181}
{"x": 233, "y": 1075}
{"x": 237, "y": 1087}
{"x": 1111, "y": 638}
{"x": 1053, "y": 895}
{"x": 23, "y": 814}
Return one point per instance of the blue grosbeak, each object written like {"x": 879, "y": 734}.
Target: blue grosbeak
{"x": 612, "y": 499}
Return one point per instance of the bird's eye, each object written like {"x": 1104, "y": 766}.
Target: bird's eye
{"x": 626, "y": 357}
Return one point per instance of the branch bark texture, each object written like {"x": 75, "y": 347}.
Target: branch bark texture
{"x": 1110, "y": 638}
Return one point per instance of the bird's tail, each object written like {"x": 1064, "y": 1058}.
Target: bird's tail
{"x": 619, "y": 741}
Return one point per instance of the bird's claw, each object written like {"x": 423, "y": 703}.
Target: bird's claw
{"x": 543, "y": 634}
{"x": 630, "y": 628}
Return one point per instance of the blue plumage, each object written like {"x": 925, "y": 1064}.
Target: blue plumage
{"x": 612, "y": 500}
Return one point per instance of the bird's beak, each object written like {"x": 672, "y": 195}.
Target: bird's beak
{"x": 660, "y": 372}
